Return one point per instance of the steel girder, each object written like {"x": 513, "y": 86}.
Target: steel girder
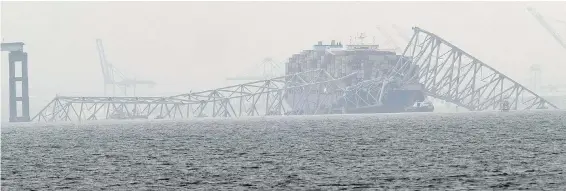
{"x": 307, "y": 93}
{"x": 453, "y": 75}
{"x": 64, "y": 108}
{"x": 366, "y": 93}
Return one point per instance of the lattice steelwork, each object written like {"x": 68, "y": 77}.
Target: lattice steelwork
{"x": 446, "y": 72}
{"x": 455, "y": 76}
{"x": 312, "y": 90}
{"x": 312, "y": 93}
{"x": 366, "y": 93}
{"x": 95, "y": 108}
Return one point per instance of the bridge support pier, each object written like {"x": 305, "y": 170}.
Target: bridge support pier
{"x": 19, "y": 104}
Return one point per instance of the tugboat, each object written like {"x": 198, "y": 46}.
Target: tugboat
{"x": 425, "y": 106}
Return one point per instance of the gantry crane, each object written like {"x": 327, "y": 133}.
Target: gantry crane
{"x": 114, "y": 78}
{"x": 390, "y": 39}
{"x": 271, "y": 69}
{"x": 547, "y": 26}
{"x": 402, "y": 34}
{"x": 542, "y": 21}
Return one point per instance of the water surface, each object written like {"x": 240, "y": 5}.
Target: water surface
{"x": 515, "y": 150}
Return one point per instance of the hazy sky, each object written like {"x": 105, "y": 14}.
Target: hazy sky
{"x": 196, "y": 45}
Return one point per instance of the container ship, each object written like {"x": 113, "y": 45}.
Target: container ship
{"x": 361, "y": 65}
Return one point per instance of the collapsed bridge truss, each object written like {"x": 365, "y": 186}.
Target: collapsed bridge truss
{"x": 447, "y": 72}
{"x": 452, "y": 75}
{"x": 259, "y": 98}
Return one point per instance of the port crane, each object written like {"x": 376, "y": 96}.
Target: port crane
{"x": 114, "y": 78}
{"x": 271, "y": 69}
{"x": 547, "y": 26}
{"x": 542, "y": 21}
{"x": 402, "y": 34}
{"x": 390, "y": 39}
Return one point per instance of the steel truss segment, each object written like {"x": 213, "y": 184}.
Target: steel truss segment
{"x": 366, "y": 93}
{"x": 313, "y": 92}
{"x": 63, "y": 108}
{"x": 251, "y": 88}
{"x": 455, "y": 76}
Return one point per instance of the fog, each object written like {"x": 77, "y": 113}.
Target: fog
{"x": 186, "y": 46}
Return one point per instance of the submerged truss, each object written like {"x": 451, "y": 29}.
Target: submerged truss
{"x": 452, "y": 75}
{"x": 259, "y": 98}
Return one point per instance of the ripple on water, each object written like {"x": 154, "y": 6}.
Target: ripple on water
{"x": 515, "y": 150}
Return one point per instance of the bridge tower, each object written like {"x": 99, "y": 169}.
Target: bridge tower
{"x": 18, "y": 57}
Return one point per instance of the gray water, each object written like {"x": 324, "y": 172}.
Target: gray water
{"x": 515, "y": 150}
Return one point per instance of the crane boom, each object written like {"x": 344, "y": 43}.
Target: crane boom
{"x": 548, "y": 28}
{"x": 271, "y": 69}
{"x": 113, "y": 76}
{"x": 389, "y": 38}
{"x": 400, "y": 32}
{"x": 104, "y": 63}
